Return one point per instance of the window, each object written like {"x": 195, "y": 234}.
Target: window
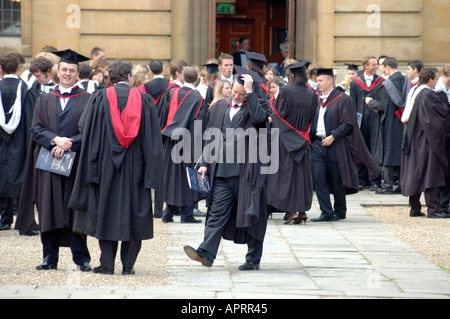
{"x": 10, "y": 18}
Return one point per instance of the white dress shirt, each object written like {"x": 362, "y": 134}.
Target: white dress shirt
{"x": 235, "y": 109}
{"x": 321, "y": 132}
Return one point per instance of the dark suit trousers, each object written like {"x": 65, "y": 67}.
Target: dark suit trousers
{"x": 327, "y": 180}
{"x": 78, "y": 246}
{"x": 185, "y": 212}
{"x": 431, "y": 199}
{"x": 6, "y": 210}
{"x": 224, "y": 199}
{"x": 129, "y": 251}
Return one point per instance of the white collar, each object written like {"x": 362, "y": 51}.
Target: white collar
{"x": 64, "y": 90}
{"x": 158, "y": 77}
{"x": 177, "y": 83}
{"x": 367, "y": 77}
{"x": 11, "y": 76}
{"x": 188, "y": 85}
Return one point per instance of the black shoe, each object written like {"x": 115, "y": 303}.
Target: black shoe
{"x": 398, "y": 190}
{"x": 446, "y": 210}
{"x": 416, "y": 214}
{"x": 199, "y": 256}
{"x": 385, "y": 191}
{"x": 167, "y": 220}
{"x": 249, "y": 266}
{"x": 323, "y": 218}
{"x": 191, "y": 220}
{"x": 439, "y": 215}
{"x": 103, "y": 271}
{"x": 5, "y": 227}
{"x": 29, "y": 233}
{"x": 128, "y": 271}
{"x": 198, "y": 213}
{"x": 47, "y": 266}
{"x": 85, "y": 267}
{"x": 374, "y": 187}
{"x": 339, "y": 217}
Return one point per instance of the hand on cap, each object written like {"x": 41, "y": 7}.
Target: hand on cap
{"x": 248, "y": 83}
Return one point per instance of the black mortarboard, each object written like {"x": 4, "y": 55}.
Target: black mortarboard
{"x": 299, "y": 68}
{"x": 256, "y": 58}
{"x": 323, "y": 71}
{"x": 212, "y": 68}
{"x": 70, "y": 56}
{"x": 352, "y": 67}
{"x": 240, "y": 71}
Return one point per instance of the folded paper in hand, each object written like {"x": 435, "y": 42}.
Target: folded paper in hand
{"x": 47, "y": 162}
{"x": 196, "y": 182}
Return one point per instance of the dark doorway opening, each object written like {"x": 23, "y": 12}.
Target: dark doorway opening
{"x": 264, "y": 22}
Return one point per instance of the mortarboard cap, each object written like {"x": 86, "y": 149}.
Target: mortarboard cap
{"x": 70, "y": 56}
{"x": 256, "y": 58}
{"x": 212, "y": 68}
{"x": 352, "y": 67}
{"x": 241, "y": 71}
{"x": 297, "y": 66}
{"x": 323, "y": 71}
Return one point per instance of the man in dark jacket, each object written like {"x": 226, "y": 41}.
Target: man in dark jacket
{"x": 237, "y": 208}
{"x": 389, "y": 107}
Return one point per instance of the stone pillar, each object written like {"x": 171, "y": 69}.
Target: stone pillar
{"x": 325, "y": 33}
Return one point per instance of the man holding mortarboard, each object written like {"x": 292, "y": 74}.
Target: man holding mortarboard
{"x": 55, "y": 128}
{"x": 337, "y": 149}
{"x": 237, "y": 204}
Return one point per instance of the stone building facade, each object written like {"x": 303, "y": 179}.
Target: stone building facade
{"x": 331, "y": 32}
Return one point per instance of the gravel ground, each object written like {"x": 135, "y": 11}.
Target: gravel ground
{"x": 430, "y": 237}
{"x": 20, "y": 255}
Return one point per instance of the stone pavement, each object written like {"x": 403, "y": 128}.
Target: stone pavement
{"x": 354, "y": 258}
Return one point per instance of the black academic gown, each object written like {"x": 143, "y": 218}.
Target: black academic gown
{"x": 250, "y": 214}
{"x": 50, "y": 192}
{"x": 112, "y": 193}
{"x": 155, "y": 88}
{"x": 291, "y": 188}
{"x": 369, "y": 121}
{"x": 13, "y": 147}
{"x": 190, "y": 115}
{"x": 210, "y": 92}
{"x": 389, "y": 136}
{"x": 348, "y": 150}
{"x": 424, "y": 161}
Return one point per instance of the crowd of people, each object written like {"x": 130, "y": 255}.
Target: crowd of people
{"x": 387, "y": 133}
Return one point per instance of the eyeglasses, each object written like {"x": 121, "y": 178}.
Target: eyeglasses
{"x": 71, "y": 71}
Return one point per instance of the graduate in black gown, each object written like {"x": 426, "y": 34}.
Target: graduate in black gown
{"x": 187, "y": 112}
{"x": 237, "y": 205}
{"x": 291, "y": 188}
{"x": 367, "y": 84}
{"x": 337, "y": 148}
{"x": 55, "y": 127}
{"x": 158, "y": 85}
{"x": 225, "y": 68}
{"x": 389, "y": 137}
{"x": 121, "y": 161}
{"x": 16, "y": 114}
{"x": 176, "y": 72}
{"x": 423, "y": 161}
